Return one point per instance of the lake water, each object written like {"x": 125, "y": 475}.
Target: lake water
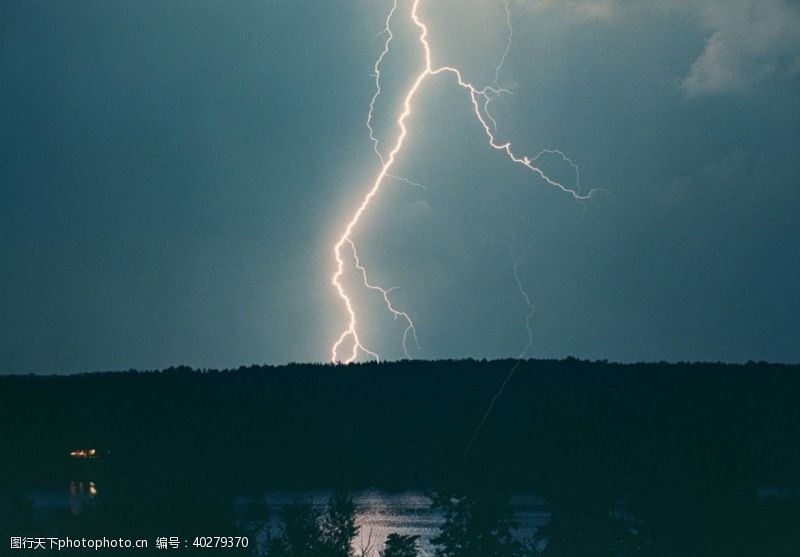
{"x": 379, "y": 513}
{"x": 409, "y": 513}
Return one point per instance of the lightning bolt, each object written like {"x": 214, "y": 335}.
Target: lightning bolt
{"x": 351, "y": 331}
{"x": 479, "y": 98}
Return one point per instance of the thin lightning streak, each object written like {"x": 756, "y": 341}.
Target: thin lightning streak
{"x": 476, "y": 95}
{"x": 506, "y": 147}
{"x": 385, "y": 293}
{"x": 492, "y": 94}
{"x": 567, "y": 160}
{"x": 377, "y": 73}
{"x": 485, "y": 92}
{"x": 407, "y": 181}
{"x": 499, "y": 67}
{"x": 531, "y": 309}
{"x": 529, "y": 330}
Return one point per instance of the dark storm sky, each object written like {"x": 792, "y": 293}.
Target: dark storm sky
{"x": 173, "y": 176}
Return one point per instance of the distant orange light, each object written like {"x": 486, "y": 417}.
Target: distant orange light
{"x": 83, "y": 453}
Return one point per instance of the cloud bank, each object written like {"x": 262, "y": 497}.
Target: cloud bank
{"x": 748, "y": 41}
{"x": 751, "y": 40}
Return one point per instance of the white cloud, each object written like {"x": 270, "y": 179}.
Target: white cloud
{"x": 750, "y": 40}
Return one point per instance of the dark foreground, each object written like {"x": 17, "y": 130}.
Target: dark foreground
{"x": 653, "y": 460}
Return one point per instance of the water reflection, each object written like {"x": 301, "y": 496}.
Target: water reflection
{"x": 81, "y": 495}
{"x": 410, "y": 513}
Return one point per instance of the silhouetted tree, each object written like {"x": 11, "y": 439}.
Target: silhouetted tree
{"x": 338, "y": 526}
{"x": 305, "y": 533}
{"x": 398, "y": 545}
{"x": 300, "y": 532}
{"x": 476, "y": 525}
{"x": 686, "y": 448}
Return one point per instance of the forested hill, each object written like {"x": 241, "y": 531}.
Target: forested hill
{"x": 559, "y": 425}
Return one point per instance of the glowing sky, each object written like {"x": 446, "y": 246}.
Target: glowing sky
{"x": 171, "y": 177}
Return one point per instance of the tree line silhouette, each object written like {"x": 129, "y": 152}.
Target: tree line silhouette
{"x": 640, "y": 459}
{"x": 480, "y": 523}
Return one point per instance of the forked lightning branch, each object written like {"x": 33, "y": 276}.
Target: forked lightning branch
{"x": 349, "y": 345}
